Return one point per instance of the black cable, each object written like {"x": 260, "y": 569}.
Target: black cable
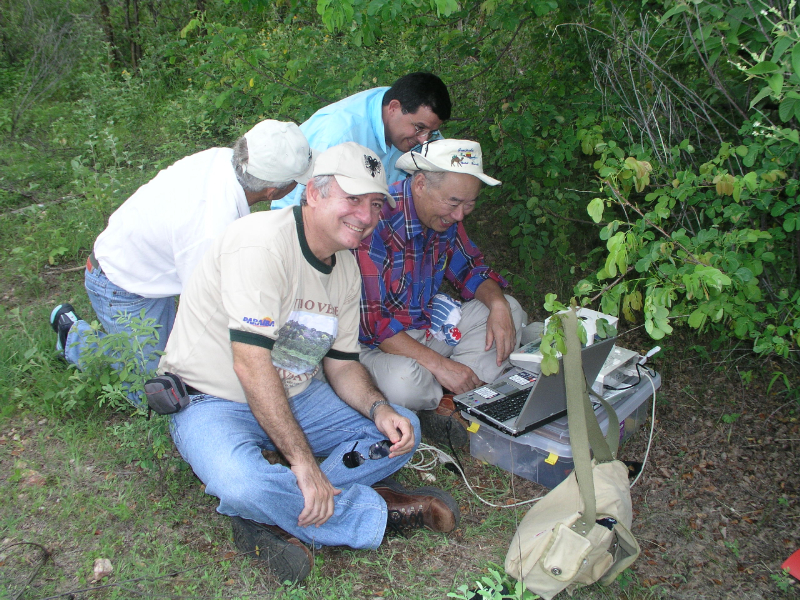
{"x": 45, "y": 556}
{"x": 633, "y": 385}
{"x": 448, "y": 427}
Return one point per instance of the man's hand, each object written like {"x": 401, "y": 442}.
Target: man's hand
{"x": 396, "y": 428}
{"x": 454, "y": 376}
{"x": 500, "y": 331}
{"x": 317, "y": 492}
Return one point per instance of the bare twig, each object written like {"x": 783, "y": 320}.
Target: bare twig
{"x": 38, "y": 205}
{"x": 70, "y": 270}
{"x": 563, "y": 218}
{"x": 612, "y": 284}
{"x": 711, "y": 73}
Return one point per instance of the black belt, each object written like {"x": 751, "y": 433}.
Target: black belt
{"x": 193, "y": 391}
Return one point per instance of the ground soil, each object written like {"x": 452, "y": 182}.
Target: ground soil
{"x": 716, "y": 510}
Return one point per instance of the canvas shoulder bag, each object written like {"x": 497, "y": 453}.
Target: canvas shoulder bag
{"x": 579, "y": 532}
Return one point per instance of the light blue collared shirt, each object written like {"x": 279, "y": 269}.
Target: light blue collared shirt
{"x": 357, "y": 118}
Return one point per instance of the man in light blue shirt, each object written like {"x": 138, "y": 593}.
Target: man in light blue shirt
{"x": 388, "y": 121}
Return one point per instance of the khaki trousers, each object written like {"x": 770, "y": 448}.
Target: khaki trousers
{"x": 403, "y": 381}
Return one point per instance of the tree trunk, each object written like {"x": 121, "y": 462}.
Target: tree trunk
{"x": 108, "y": 30}
{"x": 132, "y": 26}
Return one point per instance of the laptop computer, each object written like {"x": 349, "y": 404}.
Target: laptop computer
{"x": 523, "y": 399}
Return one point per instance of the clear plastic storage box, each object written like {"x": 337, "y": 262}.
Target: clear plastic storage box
{"x": 544, "y": 455}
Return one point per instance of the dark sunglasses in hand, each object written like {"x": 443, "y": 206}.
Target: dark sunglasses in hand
{"x": 378, "y": 450}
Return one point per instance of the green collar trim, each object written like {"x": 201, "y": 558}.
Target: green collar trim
{"x": 307, "y": 253}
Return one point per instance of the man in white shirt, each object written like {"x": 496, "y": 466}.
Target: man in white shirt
{"x": 155, "y": 239}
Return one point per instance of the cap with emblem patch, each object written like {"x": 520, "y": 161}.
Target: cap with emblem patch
{"x": 455, "y": 156}
{"x": 357, "y": 170}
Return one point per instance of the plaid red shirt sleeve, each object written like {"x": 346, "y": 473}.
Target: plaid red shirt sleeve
{"x": 402, "y": 267}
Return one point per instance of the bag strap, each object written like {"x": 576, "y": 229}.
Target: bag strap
{"x": 584, "y": 430}
{"x": 577, "y": 419}
{"x": 611, "y": 438}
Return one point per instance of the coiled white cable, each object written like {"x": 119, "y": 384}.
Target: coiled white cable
{"x": 429, "y": 457}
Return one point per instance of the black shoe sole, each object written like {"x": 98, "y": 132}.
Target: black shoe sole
{"x": 287, "y": 561}
{"x": 65, "y": 308}
{"x": 442, "y": 430}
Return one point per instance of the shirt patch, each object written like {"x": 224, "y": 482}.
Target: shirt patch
{"x": 262, "y": 322}
{"x": 303, "y": 341}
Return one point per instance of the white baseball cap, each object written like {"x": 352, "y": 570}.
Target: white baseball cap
{"x": 357, "y": 170}
{"x": 455, "y": 156}
{"x": 278, "y": 152}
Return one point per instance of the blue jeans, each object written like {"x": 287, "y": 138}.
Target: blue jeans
{"x": 110, "y": 302}
{"x": 222, "y": 441}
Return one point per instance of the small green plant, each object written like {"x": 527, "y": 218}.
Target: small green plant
{"x": 790, "y": 390}
{"x": 494, "y": 586}
{"x": 733, "y": 546}
{"x": 783, "y": 580}
{"x": 746, "y": 377}
{"x": 113, "y": 369}
{"x": 131, "y": 433}
{"x": 730, "y": 419}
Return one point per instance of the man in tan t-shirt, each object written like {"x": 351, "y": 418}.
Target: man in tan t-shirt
{"x": 275, "y": 298}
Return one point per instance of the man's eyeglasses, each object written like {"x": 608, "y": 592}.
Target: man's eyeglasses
{"x": 424, "y": 132}
{"x": 378, "y": 450}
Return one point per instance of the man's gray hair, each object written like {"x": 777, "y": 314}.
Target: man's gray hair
{"x": 435, "y": 178}
{"x": 247, "y": 181}
{"x": 322, "y": 183}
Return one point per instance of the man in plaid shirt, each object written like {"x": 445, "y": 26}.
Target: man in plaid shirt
{"x": 410, "y": 345}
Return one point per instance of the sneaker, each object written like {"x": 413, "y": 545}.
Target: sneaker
{"x": 62, "y": 319}
{"x": 427, "y": 507}
{"x": 445, "y": 425}
{"x": 286, "y": 556}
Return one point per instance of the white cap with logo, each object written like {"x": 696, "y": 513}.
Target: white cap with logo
{"x": 456, "y": 156}
{"x": 278, "y": 152}
{"x": 357, "y": 170}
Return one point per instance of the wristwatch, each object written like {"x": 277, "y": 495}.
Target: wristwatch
{"x": 375, "y": 405}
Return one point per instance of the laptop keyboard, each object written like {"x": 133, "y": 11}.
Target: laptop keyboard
{"x": 506, "y": 408}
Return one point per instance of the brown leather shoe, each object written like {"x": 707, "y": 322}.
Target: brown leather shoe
{"x": 423, "y": 507}
{"x": 286, "y": 556}
{"x": 445, "y": 425}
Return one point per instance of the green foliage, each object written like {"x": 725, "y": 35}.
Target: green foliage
{"x": 494, "y": 586}
{"x": 783, "y": 581}
{"x": 704, "y": 246}
{"x": 676, "y": 132}
{"x": 112, "y": 365}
